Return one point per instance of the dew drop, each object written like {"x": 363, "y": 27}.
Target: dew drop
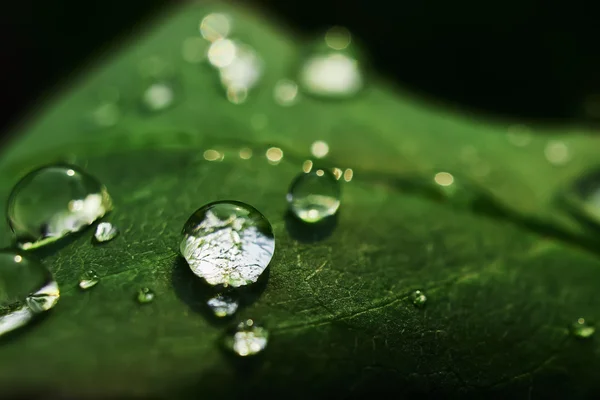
{"x": 338, "y": 38}
{"x": 105, "y": 231}
{"x": 89, "y": 279}
{"x": 285, "y": 92}
{"x": 53, "y": 201}
{"x": 319, "y": 149}
{"x": 314, "y": 196}
{"x": 581, "y": 329}
{"x": 223, "y": 305}
{"x": 158, "y": 96}
{"x": 215, "y": 26}
{"x": 228, "y": 243}
{"x": 418, "y": 298}
{"x": 247, "y": 339}
{"x": 557, "y": 152}
{"x": 27, "y": 288}
{"x": 145, "y": 295}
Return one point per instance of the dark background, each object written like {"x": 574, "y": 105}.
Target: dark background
{"x": 523, "y": 58}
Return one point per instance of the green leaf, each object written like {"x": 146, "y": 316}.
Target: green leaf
{"x": 504, "y": 266}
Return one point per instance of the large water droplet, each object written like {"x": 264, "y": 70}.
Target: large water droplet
{"x": 223, "y": 305}
{"x": 53, "y": 201}
{"x": 105, "y": 231}
{"x": 215, "y": 26}
{"x": 88, "y": 279}
{"x": 145, "y": 295}
{"x": 27, "y": 288}
{"x": 314, "y": 196}
{"x": 228, "y": 243}
{"x": 418, "y": 298}
{"x": 582, "y": 329}
{"x": 247, "y": 339}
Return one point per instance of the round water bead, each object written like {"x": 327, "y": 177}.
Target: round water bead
{"x": 27, "y": 288}
{"x": 223, "y": 305}
{"x": 314, "y": 196}
{"x": 228, "y": 243}
{"x": 247, "y": 339}
{"x": 53, "y": 201}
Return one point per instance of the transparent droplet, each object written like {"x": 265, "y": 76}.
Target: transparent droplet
{"x": 88, "y": 279}
{"x": 314, "y": 196}
{"x": 335, "y": 75}
{"x": 158, "y": 96}
{"x": 319, "y": 149}
{"x": 274, "y": 155}
{"x": 557, "y": 152}
{"x": 285, "y": 92}
{"x": 221, "y": 53}
{"x": 582, "y": 329}
{"x": 338, "y": 38}
{"x": 223, "y": 305}
{"x": 215, "y": 26}
{"x": 247, "y": 339}
{"x": 105, "y": 231}
{"x": 228, "y": 243}
{"x": 27, "y": 288}
{"x": 53, "y": 201}
{"x": 418, "y": 298}
{"x": 145, "y": 295}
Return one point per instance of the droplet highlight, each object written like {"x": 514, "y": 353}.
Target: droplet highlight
{"x": 248, "y": 339}
{"x": 285, "y": 92}
{"x": 228, "y": 243}
{"x": 314, "y": 196}
{"x": 223, "y": 305}
{"x": 582, "y": 329}
{"x": 53, "y": 201}
{"x": 418, "y": 298}
{"x": 88, "y": 280}
{"x": 105, "y": 231}
{"x": 27, "y": 288}
{"x": 215, "y": 26}
{"x": 145, "y": 295}
{"x": 158, "y": 96}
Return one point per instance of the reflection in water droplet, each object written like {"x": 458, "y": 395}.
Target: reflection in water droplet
{"x": 145, "y": 295}
{"x": 319, "y": 149}
{"x": 337, "y": 172}
{"x": 247, "y": 339}
{"x": 557, "y": 152}
{"x": 221, "y": 53}
{"x": 418, "y": 298}
{"x": 307, "y": 166}
{"x": 338, "y": 38}
{"x": 223, "y": 305}
{"x": 444, "y": 179}
{"x": 158, "y": 96}
{"x": 215, "y": 26}
{"x": 193, "y": 50}
{"x": 245, "y": 153}
{"x": 106, "y": 115}
{"x": 331, "y": 75}
{"x": 228, "y": 243}
{"x": 213, "y": 155}
{"x": 519, "y": 135}
{"x": 26, "y": 288}
{"x": 581, "y": 329}
{"x": 285, "y": 92}
{"x": 348, "y": 174}
{"x": 314, "y": 196}
{"x": 53, "y": 201}
{"x": 105, "y": 231}
{"x": 89, "y": 279}
{"x": 274, "y": 155}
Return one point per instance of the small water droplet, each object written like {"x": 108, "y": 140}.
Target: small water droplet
{"x": 145, "y": 295}
{"x": 245, "y": 153}
{"x": 314, "y": 196}
{"x": 274, "y": 155}
{"x": 444, "y": 179}
{"x": 338, "y": 38}
{"x": 105, "y": 231}
{"x": 158, "y": 96}
{"x": 307, "y": 166}
{"x": 319, "y": 149}
{"x": 582, "y": 329}
{"x": 89, "y": 279}
{"x": 223, "y": 305}
{"x": 27, "y": 288}
{"x": 213, "y": 155}
{"x": 348, "y": 174}
{"x": 215, "y": 26}
{"x": 331, "y": 75}
{"x": 285, "y": 92}
{"x": 228, "y": 243}
{"x": 557, "y": 152}
{"x": 247, "y": 339}
{"x": 337, "y": 172}
{"x": 53, "y": 201}
{"x": 418, "y": 298}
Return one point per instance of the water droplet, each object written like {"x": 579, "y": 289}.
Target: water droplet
{"x": 314, "y": 196}
{"x": 247, "y": 339}
{"x": 215, "y": 26}
{"x": 105, "y": 231}
{"x": 223, "y": 305}
{"x": 53, "y": 201}
{"x": 285, "y": 92}
{"x": 145, "y": 295}
{"x": 307, "y": 166}
{"x": 444, "y": 179}
{"x": 331, "y": 75}
{"x": 27, "y": 288}
{"x": 228, "y": 243}
{"x": 581, "y": 329}
{"x": 158, "y": 96}
{"x": 348, "y": 174}
{"x": 274, "y": 155}
{"x": 337, "y": 172}
{"x": 221, "y": 53}
{"x": 418, "y": 298}
{"x": 338, "y": 38}
{"x": 89, "y": 279}
{"x": 319, "y": 149}
{"x": 213, "y": 155}
{"x": 245, "y": 153}
{"x": 557, "y": 152}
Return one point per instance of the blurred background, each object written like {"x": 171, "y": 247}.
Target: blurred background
{"x": 523, "y": 59}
